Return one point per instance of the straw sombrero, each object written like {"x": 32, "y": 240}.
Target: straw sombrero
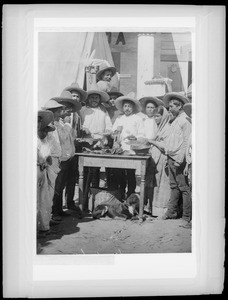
{"x": 47, "y": 117}
{"x": 154, "y": 100}
{"x": 129, "y": 97}
{"x": 105, "y": 66}
{"x": 104, "y": 95}
{"x": 188, "y": 109}
{"x": 174, "y": 95}
{"x": 75, "y": 87}
{"x": 52, "y": 104}
{"x": 160, "y": 97}
{"x": 115, "y": 92}
{"x": 66, "y": 98}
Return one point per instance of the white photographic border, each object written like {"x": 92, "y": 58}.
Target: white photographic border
{"x": 199, "y": 272}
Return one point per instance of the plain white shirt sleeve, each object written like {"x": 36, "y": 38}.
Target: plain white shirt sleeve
{"x": 116, "y": 124}
{"x": 140, "y": 128}
{"x": 108, "y": 122}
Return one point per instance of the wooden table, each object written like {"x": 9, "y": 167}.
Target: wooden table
{"x": 139, "y": 163}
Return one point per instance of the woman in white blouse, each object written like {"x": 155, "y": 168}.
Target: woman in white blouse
{"x": 148, "y": 106}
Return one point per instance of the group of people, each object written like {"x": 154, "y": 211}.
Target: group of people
{"x": 164, "y": 123}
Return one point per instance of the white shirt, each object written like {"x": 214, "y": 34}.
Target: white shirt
{"x": 56, "y": 146}
{"x": 96, "y": 120}
{"x": 142, "y": 115}
{"x": 177, "y": 140}
{"x": 150, "y": 128}
{"x": 66, "y": 140}
{"x": 132, "y": 125}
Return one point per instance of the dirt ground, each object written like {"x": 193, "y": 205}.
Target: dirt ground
{"x": 108, "y": 236}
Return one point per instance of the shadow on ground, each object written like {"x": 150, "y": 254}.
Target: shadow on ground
{"x": 68, "y": 226}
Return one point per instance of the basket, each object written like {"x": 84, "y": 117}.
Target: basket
{"x": 144, "y": 151}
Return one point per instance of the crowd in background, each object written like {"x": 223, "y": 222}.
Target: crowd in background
{"x": 105, "y": 114}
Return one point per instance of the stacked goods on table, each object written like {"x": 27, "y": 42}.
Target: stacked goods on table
{"x": 140, "y": 147}
{"x": 104, "y": 146}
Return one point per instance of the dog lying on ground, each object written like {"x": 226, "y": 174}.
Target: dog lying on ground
{"x": 116, "y": 209}
{"x": 133, "y": 204}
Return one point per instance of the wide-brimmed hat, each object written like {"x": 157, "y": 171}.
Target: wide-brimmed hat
{"x": 169, "y": 96}
{"x": 188, "y": 109}
{"x": 105, "y": 66}
{"x": 51, "y": 104}
{"x": 160, "y": 97}
{"x": 130, "y": 97}
{"x": 75, "y": 87}
{"x": 115, "y": 92}
{"x": 47, "y": 117}
{"x": 66, "y": 98}
{"x": 148, "y": 99}
{"x": 94, "y": 90}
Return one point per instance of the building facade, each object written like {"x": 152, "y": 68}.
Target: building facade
{"x": 139, "y": 57}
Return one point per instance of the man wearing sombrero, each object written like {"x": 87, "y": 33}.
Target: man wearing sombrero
{"x": 176, "y": 145}
{"x": 68, "y": 163}
{"x": 131, "y": 127}
{"x": 57, "y": 109}
{"x": 110, "y": 105}
{"x": 96, "y": 122}
{"x": 188, "y": 167}
{"x": 104, "y": 76}
{"x": 78, "y": 95}
{"x": 114, "y": 177}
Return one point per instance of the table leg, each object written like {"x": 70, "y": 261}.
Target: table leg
{"x": 142, "y": 191}
{"x": 80, "y": 183}
{"x": 86, "y": 190}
